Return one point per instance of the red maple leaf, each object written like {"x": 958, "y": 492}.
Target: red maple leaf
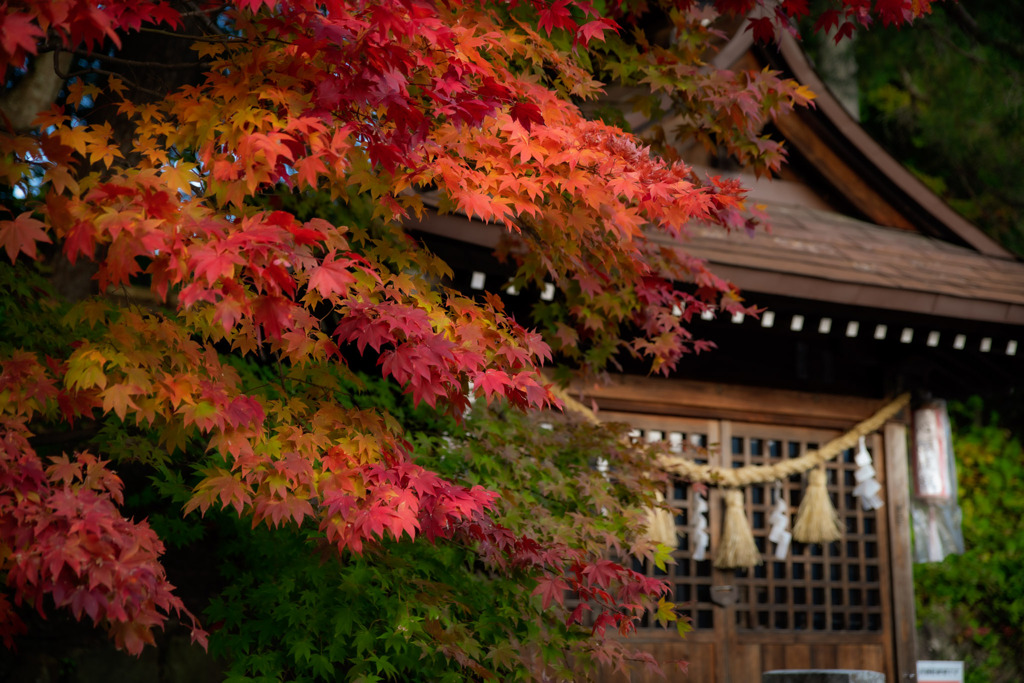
{"x": 80, "y": 240}
{"x": 603, "y": 572}
{"x": 274, "y": 314}
{"x": 594, "y": 29}
{"x": 310, "y": 232}
{"x": 555, "y": 16}
{"x": 18, "y": 36}
{"x": 21, "y": 234}
{"x": 527, "y": 114}
{"x": 827, "y": 20}
{"x": 333, "y": 276}
{"x": 493, "y": 382}
{"x": 795, "y": 8}
{"x": 550, "y": 588}
{"x": 603, "y": 621}
{"x": 763, "y": 29}
{"x": 214, "y": 263}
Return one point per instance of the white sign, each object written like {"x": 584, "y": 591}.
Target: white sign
{"x": 940, "y": 672}
{"x": 933, "y": 453}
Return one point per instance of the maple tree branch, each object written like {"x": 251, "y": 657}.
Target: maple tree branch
{"x": 950, "y": 43}
{"x": 280, "y": 375}
{"x": 527, "y": 228}
{"x": 189, "y": 36}
{"x": 45, "y": 439}
{"x": 323, "y": 389}
{"x": 74, "y": 74}
{"x": 140, "y": 88}
{"x": 283, "y": 378}
{"x": 134, "y": 62}
{"x": 203, "y": 15}
{"x": 130, "y": 301}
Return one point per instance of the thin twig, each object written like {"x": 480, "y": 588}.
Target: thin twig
{"x": 970, "y": 27}
{"x": 56, "y": 63}
{"x": 203, "y": 16}
{"x": 202, "y": 12}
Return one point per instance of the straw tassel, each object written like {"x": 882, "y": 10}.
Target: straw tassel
{"x": 737, "y": 549}
{"x": 661, "y": 525}
{"x": 817, "y": 520}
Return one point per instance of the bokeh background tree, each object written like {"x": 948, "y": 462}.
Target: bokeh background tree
{"x": 946, "y": 97}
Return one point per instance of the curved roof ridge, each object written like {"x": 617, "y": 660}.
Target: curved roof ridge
{"x": 892, "y": 181}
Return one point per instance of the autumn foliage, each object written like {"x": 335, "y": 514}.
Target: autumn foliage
{"x": 164, "y": 190}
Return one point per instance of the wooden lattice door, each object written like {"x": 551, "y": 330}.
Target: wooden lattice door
{"x": 817, "y": 607}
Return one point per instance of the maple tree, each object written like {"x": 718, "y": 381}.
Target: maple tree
{"x": 251, "y": 212}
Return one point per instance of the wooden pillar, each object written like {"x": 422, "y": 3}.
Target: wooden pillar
{"x": 900, "y": 551}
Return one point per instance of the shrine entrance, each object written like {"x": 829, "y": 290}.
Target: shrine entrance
{"x": 840, "y": 605}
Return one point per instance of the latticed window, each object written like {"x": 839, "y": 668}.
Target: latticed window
{"x": 833, "y": 587}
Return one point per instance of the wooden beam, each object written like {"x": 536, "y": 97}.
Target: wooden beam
{"x": 688, "y": 398}
{"x": 824, "y": 158}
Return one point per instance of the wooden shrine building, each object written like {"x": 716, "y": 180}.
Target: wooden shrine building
{"x": 871, "y": 286}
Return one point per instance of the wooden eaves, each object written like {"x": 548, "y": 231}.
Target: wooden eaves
{"x": 910, "y": 251}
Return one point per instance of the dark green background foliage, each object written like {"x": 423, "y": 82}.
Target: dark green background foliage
{"x": 971, "y": 606}
{"x": 946, "y": 97}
